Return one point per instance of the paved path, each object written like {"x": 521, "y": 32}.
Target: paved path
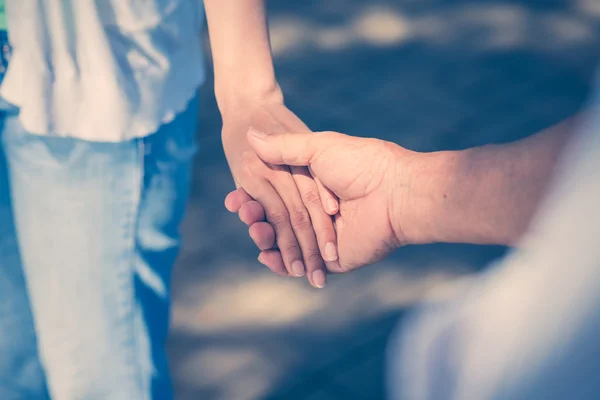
{"x": 426, "y": 74}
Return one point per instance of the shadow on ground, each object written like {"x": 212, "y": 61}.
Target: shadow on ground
{"x": 426, "y": 74}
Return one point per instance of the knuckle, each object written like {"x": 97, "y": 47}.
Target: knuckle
{"x": 251, "y": 166}
{"x": 314, "y": 257}
{"x": 311, "y": 199}
{"x": 300, "y": 219}
{"x": 289, "y": 247}
{"x": 278, "y": 220}
{"x": 248, "y": 170}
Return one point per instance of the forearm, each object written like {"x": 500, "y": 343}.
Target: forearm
{"x": 484, "y": 195}
{"x": 241, "y": 52}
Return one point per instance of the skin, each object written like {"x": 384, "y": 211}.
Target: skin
{"x": 290, "y": 200}
{"x": 390, "y": 196}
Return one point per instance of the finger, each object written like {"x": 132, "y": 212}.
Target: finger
{"x": 272, "y": 260}
{"x": 251, "y": 212}
{"x": 297, "y": 149}
{"x": 236, "y": 199}
{"x": 261, "y": 232}
{"x": 277, "y": 215}
{"x": 285, "y": 185}
{"x": 263, "y": 235}
{"x": 322, "y": 223}
{"x": 329, "y": 200}
{"x": 336, "y": 268}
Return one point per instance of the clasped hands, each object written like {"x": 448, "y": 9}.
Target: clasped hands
{"x": 328, "y": 202}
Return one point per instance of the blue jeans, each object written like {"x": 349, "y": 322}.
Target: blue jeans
{"x": 88, "y": 237}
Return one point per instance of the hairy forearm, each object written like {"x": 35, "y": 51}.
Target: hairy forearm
{"x": 241, "y": 52}
{"x": 483, "y": 195}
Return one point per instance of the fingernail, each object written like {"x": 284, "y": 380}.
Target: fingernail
{"x": 298, "y": 268}
{"x": 332, "y": 206}
{"x": 256, "y": 133}
{"x": 331, "y": 252}
{"x": 319, "y": 278}
{"x": 260, "y": 259}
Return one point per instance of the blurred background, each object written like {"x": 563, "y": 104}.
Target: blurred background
{"x": 426, "y": 74}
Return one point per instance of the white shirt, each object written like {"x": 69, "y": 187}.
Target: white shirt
{"x": 529, "y": 328}
{"x": 102, "y": 70}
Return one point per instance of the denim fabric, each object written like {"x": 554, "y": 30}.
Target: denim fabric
{"x": 89, "y": 257}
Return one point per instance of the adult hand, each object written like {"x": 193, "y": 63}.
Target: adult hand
{"x": 391, "y": 196}
{"x": 366, "y": 176}
{"x": 287, "y": 201}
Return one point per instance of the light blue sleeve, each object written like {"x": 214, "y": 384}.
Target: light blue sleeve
{"x": 528, "y": 329}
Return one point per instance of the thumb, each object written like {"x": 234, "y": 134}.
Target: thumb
{"x": 297, "y": 149}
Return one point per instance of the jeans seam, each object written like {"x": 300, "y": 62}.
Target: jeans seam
{"x": 137, "y": 200}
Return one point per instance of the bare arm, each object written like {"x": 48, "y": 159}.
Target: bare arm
{"x": 247, "y": 93}
{"x": 527, "y": 328}
{"x": 484, "y": 195}
{"x": 391, "y": 196}
{"x": 241, "y": 52}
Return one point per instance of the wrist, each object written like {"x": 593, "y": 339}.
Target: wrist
{"x": 239, "y": 95}
{"x": 422, "y": 201}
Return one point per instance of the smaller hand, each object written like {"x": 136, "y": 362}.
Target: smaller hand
{"x": 286, "y": 201}
{"x": 261, "y": 232}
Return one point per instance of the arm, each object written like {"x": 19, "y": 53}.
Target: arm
{"x": 484, "y": 195}
{"x": 391, "y": 196}
{"x": 247, "y": 92}
{"x": 241, "y": 53}
{"x": 527, "y": 328}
